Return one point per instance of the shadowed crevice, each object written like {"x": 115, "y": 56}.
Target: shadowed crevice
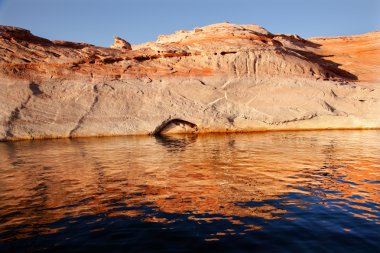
{"x": 165, "y": 126}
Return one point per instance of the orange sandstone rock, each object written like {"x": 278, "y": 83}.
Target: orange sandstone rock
{"x": 218, "y": 78}
{"x": 121, "y": 44}
{"x": 359, "y": 55}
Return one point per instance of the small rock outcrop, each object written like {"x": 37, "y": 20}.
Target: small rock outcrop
{"x": 121, "y": 44}
{"x": 218, "y": 78}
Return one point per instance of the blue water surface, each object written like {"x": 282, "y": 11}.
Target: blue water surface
{"x": 263, "y": 192}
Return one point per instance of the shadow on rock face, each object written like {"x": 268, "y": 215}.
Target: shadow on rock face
{"x": 333, "y": 68}
{"x": 175, "y": 126}
{"x": 35, "y": 88}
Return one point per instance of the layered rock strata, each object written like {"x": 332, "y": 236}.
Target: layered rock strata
{"x": 218, "y": 78}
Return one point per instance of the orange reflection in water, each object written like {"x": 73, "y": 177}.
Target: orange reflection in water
{"x": 45, "y": 181}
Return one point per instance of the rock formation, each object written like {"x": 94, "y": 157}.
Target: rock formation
{"x": 358, "y": 55}
{"x": 218, "y": 78}
{"x": 121, "y": 44}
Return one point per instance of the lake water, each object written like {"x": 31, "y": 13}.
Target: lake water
{"x": 265, "y": 192}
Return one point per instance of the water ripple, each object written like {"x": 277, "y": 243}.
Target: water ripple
{"x": 268, "y": 192}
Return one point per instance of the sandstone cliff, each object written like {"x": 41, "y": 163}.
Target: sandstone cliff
{"x": 217, "y": 78}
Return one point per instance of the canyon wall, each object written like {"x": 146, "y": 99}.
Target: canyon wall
{"x": 218, "y": 78}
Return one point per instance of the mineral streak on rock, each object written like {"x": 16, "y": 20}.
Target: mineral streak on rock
{"x": 219, "y": 78}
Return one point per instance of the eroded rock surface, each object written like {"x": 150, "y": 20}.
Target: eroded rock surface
{"x": 218, "y": 78}
{"x": 121, "y": 44}
{"x": 358, "y": 55}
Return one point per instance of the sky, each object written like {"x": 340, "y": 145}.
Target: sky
{"x": 138, "y": 21}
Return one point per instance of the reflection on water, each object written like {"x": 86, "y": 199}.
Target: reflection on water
{"x": 284, "y": 191}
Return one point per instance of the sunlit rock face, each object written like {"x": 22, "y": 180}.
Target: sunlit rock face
{"x": 218, "y": 78}
{"x": 358, "y": 55}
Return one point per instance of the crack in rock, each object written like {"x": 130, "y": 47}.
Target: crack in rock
{"x": 85, "y": 115}
{"x": 15, "y": 115}
{"x": 231, "y": 120}
{"x": 306, "y": 117}
{"x": 328, "y": 107}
